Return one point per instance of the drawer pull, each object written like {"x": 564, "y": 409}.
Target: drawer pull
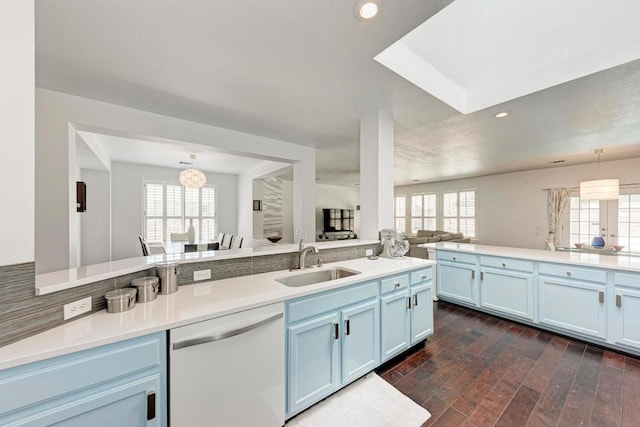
{"x": 336, "y": 332}
{"x": 482, "y": 275}
{"x": 454, "y": 258}
{"x": 569, "y": 273}
{"x": 415, "y": 300}
{"x": 504, "y": 265}
{"x": 618, "y": 300}
{"x": 601, "y": 296}
{"x": 424, "y": 277}
{"x": 397, "y": 284}
{"x": 347, "y": 327}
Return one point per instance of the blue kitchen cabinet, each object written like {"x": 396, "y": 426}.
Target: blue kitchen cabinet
{"x": 394, "y": 318}
{"x": 360, "y": 339}
{"x": 506, "y": 286}
{"x": 573, "y": 298}
{"x": 121, "y": 384}
{"x": 421, "y": 311}
{"x": 313, "y": 361}
{"x": 457, "y": 279}
{"x": 332, "y": 339}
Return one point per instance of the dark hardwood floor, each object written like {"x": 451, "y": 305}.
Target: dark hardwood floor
{"x": 480, "y": 370}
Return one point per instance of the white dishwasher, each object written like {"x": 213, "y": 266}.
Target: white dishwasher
{"x": 228, "y": 371}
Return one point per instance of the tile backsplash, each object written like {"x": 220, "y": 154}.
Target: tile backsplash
{"x": 23, "y": 314}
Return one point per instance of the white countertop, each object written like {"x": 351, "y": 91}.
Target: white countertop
{"x": 55, "y": 281}
{"x": 618, "y": 262}
{"x": 192, "y": 303}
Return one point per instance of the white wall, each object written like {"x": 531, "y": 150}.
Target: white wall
{"x": 55, "y": 112}
{"x": 512, "y": 208}
{"x": 127, "y": 202}
{"x": 287, "y": 211}
{"x": 336, "y": 197}
{"x": 17, "y": 83}
{"x": 95, "y": 222}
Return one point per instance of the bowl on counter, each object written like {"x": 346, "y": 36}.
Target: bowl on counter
{"x": 617, "y": 248}
{"x": 274, "y": 239}
{"x": 579, "y": 245}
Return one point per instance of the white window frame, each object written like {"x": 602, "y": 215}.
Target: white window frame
{"x": 457, "y": 217}
{"x": 397, "y": 217}
{"x": 421, "y": 215}
{"x": 184, "y": 218}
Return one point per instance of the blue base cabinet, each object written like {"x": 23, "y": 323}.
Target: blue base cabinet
{"x": 337, "y": 336}
{"x": 121, "y": 384}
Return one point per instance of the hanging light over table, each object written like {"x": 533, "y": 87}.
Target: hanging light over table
{"x": 600, "y": 189}
{"x": 193, "y": 178}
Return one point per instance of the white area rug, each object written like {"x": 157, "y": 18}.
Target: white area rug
{"x": 370, "y": 402}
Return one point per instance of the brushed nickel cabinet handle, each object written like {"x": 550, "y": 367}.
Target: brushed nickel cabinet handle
{"x": 601, "y": 296}
{"x": 336, "y": 332}
{"x": 618, "y": 300}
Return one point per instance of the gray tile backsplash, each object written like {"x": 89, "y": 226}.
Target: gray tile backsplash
{"x": 23, "y": 314}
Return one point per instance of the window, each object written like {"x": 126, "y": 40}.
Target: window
{"x": 629, "y": 222}
{"x": 584, "y": 220}
{"x": 399, "y": 213}
{"x": 459, "y": 212}
{"x": 423, "y": 212}
{"x": 170, "y": 208}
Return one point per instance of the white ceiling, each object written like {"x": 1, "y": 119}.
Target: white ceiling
{"x": 475, "y": 54}
{"x": 304, "y": 71}
{"x": 165, "y": 154}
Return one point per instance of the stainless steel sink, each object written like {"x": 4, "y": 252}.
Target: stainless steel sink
{"x": 315, "y": 276}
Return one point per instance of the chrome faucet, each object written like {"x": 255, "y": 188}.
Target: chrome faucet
{"x": 302, "y": 253}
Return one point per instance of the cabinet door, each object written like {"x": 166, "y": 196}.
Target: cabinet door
{"x": 360, "y": 340}
{"x": 627, "y": 317}
{"x": 395, "y": 323}
{"x": 572, "y": 305}
{"x": 457, "y": 281}
{"x": 313, "y": 361}
{"x": 117, "y": 404}
{"x": 421, "y": 312}
{"x": 506, "y": 291}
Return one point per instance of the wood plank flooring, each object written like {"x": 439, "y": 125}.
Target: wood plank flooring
{"x": 480, "y": 370}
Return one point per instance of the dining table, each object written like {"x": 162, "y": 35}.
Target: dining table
{"x": 177, "y": 247}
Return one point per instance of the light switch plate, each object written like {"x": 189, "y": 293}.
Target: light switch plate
{"x": 76, "y": 308}
{"x": 368, "y": 252}
{"x": 201, "y": 275}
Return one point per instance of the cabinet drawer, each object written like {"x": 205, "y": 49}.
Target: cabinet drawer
{"x": 40, "y": 381}
{"x": 421, "y": 275}
{"x": 507, "y": 263}
{"x": 399, "y": 281}
{"x": 331, "y": 300}
{"x": 456, "y": 256}
{"x": 627, "y": 279}
{"x": 571, "y": 272}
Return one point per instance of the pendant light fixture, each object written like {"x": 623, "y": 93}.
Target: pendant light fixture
{"x": 193, "y": 178}
{"x": 600, "y": 189}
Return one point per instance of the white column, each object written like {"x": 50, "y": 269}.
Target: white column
{"x": 17, "y": 121}
{"x": 376, "y": 173}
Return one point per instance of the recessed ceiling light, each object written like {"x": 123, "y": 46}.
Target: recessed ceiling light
{"x": 554, "y": 162}
{"x": 415, "y": 180}
{"x": 365, "y": 10}
{"x": 501, "y": 114}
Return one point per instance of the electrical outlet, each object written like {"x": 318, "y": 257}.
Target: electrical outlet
{"x": 368, "y": 252}
{"x": 201, "y": 275}
{"x": 77, "y": 308}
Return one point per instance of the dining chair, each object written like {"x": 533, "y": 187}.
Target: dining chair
{"x": 144, "y": 245}
{"x": 236, "y": 242}
{"x": 226, "y": 241}
{"x": 220, "y": 237}
{"x": 179, "y": 237}
{"x": 213, "y": 246}
{"x": 190, "y": 248}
